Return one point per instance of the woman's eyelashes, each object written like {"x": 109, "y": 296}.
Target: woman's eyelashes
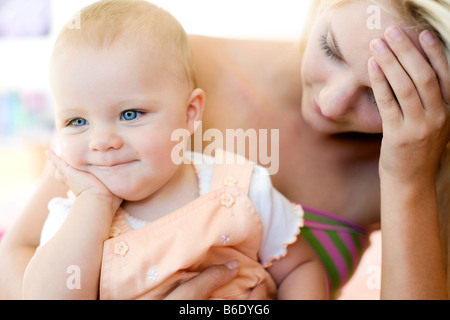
{"x": 334, "y": 56}
{"x": 327, "y": 49}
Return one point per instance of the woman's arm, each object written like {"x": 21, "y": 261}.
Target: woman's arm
{"x": 413, "y": 99}
{"x": 21, "y": 241}
{"x": 412, "y": 261}
{"x": 443, "y": 191}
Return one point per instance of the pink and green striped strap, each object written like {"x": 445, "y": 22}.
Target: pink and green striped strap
{"x": 338, "y": 243}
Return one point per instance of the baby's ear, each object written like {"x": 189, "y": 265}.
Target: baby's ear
{"x": 194, "y": 111}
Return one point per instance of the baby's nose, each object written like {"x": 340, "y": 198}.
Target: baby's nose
{"x": 104, "y": 140}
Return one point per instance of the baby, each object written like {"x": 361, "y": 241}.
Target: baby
{"x": 137, "y": 224}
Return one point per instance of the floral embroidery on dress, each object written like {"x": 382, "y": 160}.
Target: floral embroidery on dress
{"x": 121, "y": 248}
{"x": 225, "y": 238}
{"x": 114, "y": 232}
{"x": 227, "y": 200}
{"x": 229, "y": 181}
{"x": 152, "y": 274}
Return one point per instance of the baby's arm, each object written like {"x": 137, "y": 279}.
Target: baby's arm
{"x": 76, "y": 249}
{"x": 300, "y": 274}
{"x": 296, "y": 269}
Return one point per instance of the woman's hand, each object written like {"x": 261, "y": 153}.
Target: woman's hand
{"x": 81, "y": 182}
{"x": 412, "y": 91}
{"x": 202, "y": 286}
{"x": 413, "y": 97}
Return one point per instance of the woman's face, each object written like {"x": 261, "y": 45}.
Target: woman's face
{"x": 337, "y": 95}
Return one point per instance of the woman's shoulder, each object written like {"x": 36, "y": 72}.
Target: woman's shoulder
{"x": 246, "y": 52}
{"x": 200, "y": 41}
{"x": 244, "y": 77}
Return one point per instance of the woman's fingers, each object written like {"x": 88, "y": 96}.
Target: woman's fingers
{"x": 412, "y": 88}
{"x": 211, "y": 279}
{"x": 387, "y": 104}
{"x": 420, "y": 85}
{"x": 202, "y": 286}
{"x": 258, "y": 293}
{"x": 424, "y": 79}
{"x": 435, "y": 52}
{"x": 402, "y": 86}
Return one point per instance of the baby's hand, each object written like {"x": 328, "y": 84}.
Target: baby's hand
{"x": 80, "y": 182}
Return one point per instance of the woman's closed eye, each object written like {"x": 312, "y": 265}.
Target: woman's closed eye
{"x": 327, "y": 49}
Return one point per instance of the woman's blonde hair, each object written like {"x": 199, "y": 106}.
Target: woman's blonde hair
{"x": 103, "y": 22}
{"x": 433, "y": 15}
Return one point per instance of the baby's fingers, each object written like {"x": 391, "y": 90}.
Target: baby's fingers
{"x": 58, "y": 163}
{"x": 75, "y": 179}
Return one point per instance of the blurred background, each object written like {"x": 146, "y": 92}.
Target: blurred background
{"x": 28, "y": 29}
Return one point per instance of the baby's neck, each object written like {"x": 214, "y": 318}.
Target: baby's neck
{"x": 181, "y": 189}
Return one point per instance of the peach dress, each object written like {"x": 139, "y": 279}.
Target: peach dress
{"x": 222, "y": 224}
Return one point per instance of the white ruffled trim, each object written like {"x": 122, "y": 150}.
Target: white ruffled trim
{"x": 134, "y": 222}
{"x": 280, "y": 218}
{"x": 278, "y": 256}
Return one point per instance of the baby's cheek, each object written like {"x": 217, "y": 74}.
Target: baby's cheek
{"x": 73, "y": 157}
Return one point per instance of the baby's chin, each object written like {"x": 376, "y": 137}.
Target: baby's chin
{"x": 127, "y": 192}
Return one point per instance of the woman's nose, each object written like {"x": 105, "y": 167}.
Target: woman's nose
{"x": 337, "y": 99}
{"x": 104, "y": 140}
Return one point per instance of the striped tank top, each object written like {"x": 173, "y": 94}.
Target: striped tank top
{"x": 339, "y": 244}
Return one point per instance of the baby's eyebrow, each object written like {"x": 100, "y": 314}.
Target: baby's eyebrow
{"x": 62, "y": 115}
{"x": 60, "y": 112}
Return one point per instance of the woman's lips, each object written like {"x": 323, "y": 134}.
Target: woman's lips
{"x": 321, "y": 114}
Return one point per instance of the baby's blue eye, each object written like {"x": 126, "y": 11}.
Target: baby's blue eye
{"x": 130, "y": 115}
{"x": 77, "y": 122}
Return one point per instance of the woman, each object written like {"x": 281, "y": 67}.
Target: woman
{"x": 331, "y": 100}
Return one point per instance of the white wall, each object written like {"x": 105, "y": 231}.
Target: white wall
{"x": 24, "y": 62}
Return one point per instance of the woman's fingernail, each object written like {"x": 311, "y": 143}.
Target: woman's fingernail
{"x": 374, "y": 64}
{"x": 378, "y": 45}
{"x": 232, "y": 265}
{"x": 394, "y": 33}
{"x": 428, "y": 37}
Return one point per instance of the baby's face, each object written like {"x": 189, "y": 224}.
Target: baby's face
{"x": 116, "y": 109}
